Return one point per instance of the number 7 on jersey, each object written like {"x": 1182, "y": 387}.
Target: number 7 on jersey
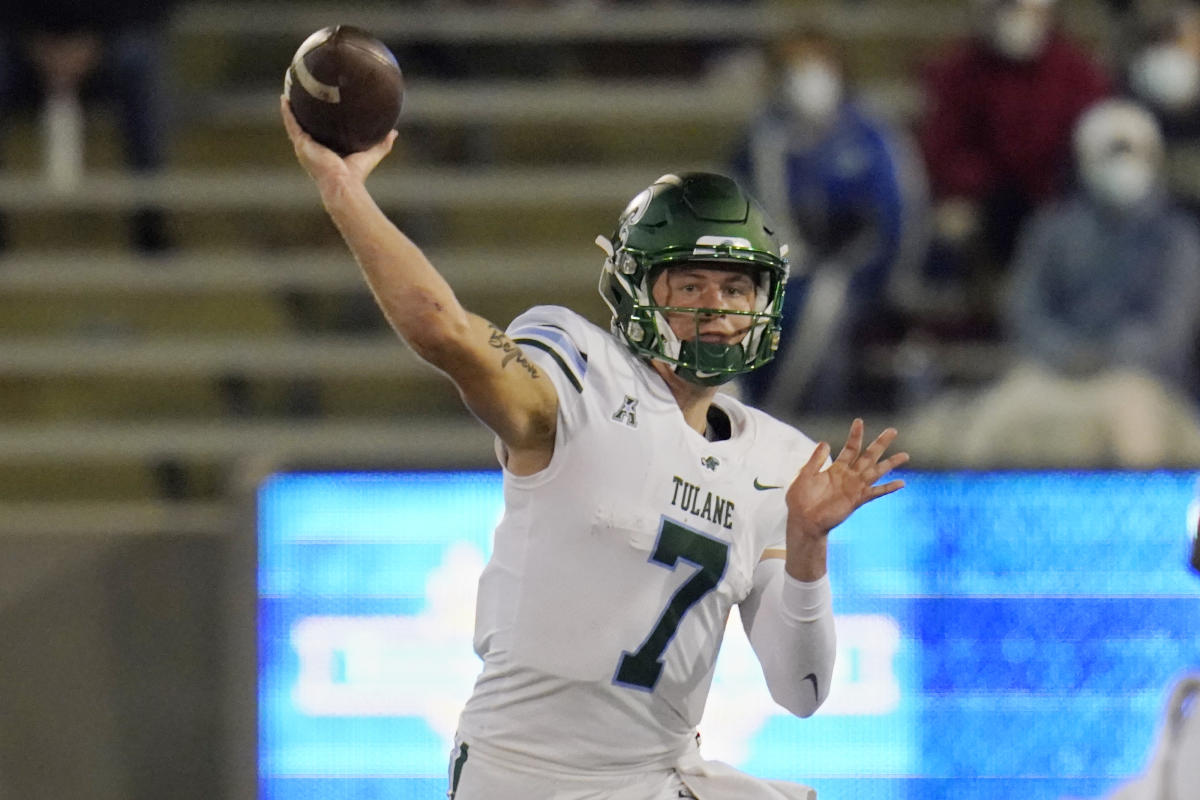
{"x": 641, "y": 669}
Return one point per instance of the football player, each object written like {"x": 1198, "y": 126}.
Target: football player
{"x": 641, "y": 506}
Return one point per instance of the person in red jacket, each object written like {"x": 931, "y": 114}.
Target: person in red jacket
{"x": 996, "y": 131}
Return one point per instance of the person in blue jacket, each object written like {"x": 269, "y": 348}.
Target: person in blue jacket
{"x": 852, "y": 189}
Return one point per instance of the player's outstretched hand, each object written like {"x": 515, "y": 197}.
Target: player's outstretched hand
{"x": 819, "y": 499}
{"x": 322, "y": 163}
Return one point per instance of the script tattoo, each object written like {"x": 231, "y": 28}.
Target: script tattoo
{"x": 511, "y": 351}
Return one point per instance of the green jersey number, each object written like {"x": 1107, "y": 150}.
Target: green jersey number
{"x": 642, "y": 668}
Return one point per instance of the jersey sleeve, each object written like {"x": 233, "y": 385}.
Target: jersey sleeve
{"x": 556, "y": 339}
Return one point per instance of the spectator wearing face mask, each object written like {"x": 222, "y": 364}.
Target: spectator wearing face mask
{"x": 996, "y": 130}
{"x": 1161, "y": 68}
{"x": 1164, "y": 69}
{"x": 1102, "y": 313}
{"x": 852, "y": 190}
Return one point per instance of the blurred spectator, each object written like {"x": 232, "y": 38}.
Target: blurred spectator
{"x": 850, "y": 195}
{"x": 1103, "y": 310}
{"x": 996, "y": 132}
{"x": 1160, "y": 65}
{"x": 58, "y": 54}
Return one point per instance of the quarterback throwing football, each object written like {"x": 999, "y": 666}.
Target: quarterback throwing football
{"x": 640, "y": 504}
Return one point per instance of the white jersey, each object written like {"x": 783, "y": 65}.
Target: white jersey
{"x": 614, "y": 569}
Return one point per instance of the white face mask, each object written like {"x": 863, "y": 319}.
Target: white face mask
{"x": 813, "y": 90}
{"x": 1167, "y": 76}
{"x": 1121, "y": 181}
{"x": 1019, "y": 33}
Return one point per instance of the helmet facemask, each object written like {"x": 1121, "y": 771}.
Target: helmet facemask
{"x": 704, "y": 221}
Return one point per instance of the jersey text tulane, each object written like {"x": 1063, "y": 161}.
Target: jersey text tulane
{"x": 714, "y": 508}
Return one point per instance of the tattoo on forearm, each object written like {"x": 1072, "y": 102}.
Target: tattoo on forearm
{"x": 512, "y": 353}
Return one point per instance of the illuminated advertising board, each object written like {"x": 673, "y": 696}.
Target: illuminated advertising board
{"x": 1009, "y": 634}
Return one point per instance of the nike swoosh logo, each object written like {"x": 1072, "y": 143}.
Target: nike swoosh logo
{"x": 812, "y": 676}
{"x": 763, "y": 487}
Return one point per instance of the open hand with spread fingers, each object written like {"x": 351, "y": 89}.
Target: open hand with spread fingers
{"x": 820, "y": 499}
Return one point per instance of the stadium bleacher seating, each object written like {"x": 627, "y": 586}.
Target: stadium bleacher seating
{"x": 135, "y": 388}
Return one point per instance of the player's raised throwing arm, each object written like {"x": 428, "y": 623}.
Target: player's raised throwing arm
{"x": 507, "y": 392}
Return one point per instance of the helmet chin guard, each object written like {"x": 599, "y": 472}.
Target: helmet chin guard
{"x": 704, "y": 220}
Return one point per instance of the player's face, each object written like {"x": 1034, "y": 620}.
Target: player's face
{"x": 691, "y": 286}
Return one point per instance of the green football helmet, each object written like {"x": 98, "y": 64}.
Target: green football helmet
{"x": 694, "y": 218}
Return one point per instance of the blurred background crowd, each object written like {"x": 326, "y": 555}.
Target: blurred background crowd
{"x": 992, "y": 207}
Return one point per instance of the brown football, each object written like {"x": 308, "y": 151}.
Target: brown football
{"x": 345, "y": 87}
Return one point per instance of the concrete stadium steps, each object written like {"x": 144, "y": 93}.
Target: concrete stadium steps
{"x": 265, "y": 208}
{"x": 525, "y": 123}
{"x": 408, "y": 187}
{"x": 652, "y": 103}
{"x": 76, "y": 272}
{"x": 219, "y": 128}
{"x": 106, "y": 230}
{"x": 443, "y": 440}
{"x": 37, "y": 399}
{"x": 172, "y": 378}
{"x": 47, "y": 483}
{"x": 167, "y": 356}
{"x": 531, "y": 143}
{"x": 253, "y": 38}
{"x": 113, "y": 518}
{"x": 494, "y": 269}
{"x": 154, "y": 460}
{"x": 240, "y": 334}
{"x": 59, "y": 290}
{"x": 128, "y": 463}
{"x": 101, "y": 318}
{"x": 258, "y": 39}
{"x": 220, "y": 44}
{"x": 125, "y": 396}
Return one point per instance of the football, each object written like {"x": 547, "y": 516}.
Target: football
{"x": 345, "y": 87}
